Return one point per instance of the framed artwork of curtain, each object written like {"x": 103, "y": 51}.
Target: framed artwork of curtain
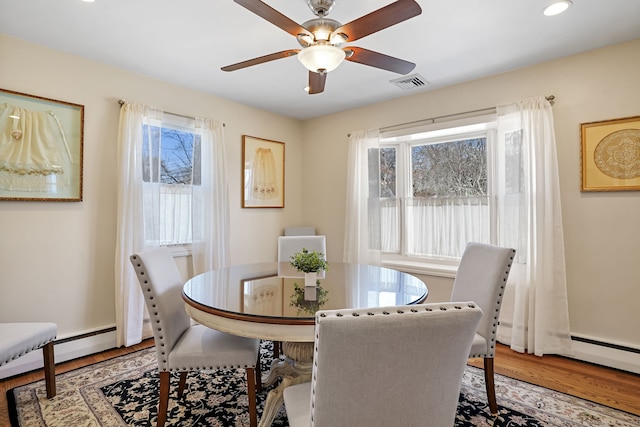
{"x": 262, "y": 173}
{"x": 40, "y": 148}
{"x": 611, "y": 155}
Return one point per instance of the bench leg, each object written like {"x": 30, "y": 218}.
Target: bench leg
{"x": 49, "y": 369}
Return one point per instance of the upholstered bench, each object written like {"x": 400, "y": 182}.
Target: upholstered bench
{"x": 18, "y": 339}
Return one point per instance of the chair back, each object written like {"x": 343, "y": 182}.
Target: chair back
{"x": 481, "y": 278}
{"x": 161, "y": 285}
{"x": 300, "y": 231}
{"x": 289, "y": 245}
{"x": 399, "y": 365}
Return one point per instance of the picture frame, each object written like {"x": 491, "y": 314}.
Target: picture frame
{"x": 610, "y": 154}
{"x": 53, "y": 131}
{"x": 262, "y": 173}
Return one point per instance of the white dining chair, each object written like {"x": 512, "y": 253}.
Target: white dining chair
{"x": 289, "y": 245}
{"x": 18, "y": 339}
{"x": 182, "y": 347}
{"x": 390, "y": 366}
{"x": 481, "y": 277}
{"x": 299, "y": 231}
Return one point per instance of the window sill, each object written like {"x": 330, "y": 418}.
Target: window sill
{"x": 180, "y": 250}
{"x": 422, "y": 267}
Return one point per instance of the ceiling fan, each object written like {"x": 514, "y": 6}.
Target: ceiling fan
{"x": 322, "y": 37}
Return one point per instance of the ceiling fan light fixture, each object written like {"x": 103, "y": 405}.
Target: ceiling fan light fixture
{"x": 557, "y": 7}
{"x": 321, "y": 57}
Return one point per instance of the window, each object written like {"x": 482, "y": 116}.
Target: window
{"x": 435, "y": 189}
{"x": 171, "y": 165}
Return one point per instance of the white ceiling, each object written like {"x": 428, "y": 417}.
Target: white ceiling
{"x": 186, "y": 42}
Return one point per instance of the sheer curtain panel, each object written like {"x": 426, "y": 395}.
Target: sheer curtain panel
{"x": 160, "y": 203}
{"x": 362, "y": 223}
{"x": 535, "y": 315}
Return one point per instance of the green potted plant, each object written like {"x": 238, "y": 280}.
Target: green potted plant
{"x": 309, "y": 263}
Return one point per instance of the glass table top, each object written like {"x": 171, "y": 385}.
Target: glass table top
{"x": 276, "y": 292}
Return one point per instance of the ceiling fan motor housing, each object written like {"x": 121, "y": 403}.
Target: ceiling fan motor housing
{"x": 320, "y": 7}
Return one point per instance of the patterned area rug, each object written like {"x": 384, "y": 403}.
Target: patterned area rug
{"x": 123, "y": 392}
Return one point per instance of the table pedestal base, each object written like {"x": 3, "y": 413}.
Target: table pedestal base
{"x": 294, "y": 369}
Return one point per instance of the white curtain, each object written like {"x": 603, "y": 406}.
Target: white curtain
{"x": 442, "y": 226}
{"x": 535, "y": 316}
{"x": 152, "y": 213}
{"x": 362, "y": 223}
{"x": 210, "y": 248}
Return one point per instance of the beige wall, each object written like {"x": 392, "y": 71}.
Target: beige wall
{"x": 57, "y": 259}
{"x": 602, "y": 230}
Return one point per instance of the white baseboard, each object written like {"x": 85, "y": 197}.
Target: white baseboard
{"x": 606, "y": 356}
{"x": 64, "y": 351}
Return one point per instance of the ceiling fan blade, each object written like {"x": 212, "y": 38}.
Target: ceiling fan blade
{"x": 379, "y": 60}
{"x": 261, "y": 59}
{"x": 265, "y": 11}
{"x": 380, "y": 19}
{"x": 316, "y": 82}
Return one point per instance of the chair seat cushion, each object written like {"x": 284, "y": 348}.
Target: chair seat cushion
{"x": 202, "y": 348}
{"x": 297, "y": 400}
{"x": 17, "y": 339}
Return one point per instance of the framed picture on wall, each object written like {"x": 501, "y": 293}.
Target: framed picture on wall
{"x": 40, "y": 148}
{"x": 611, "y": 155}
{"x": 262, "y": 173}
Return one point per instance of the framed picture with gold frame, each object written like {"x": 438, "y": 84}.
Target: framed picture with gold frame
{"x": 611, "y": 155}
{"x": 40, "y": 148}
{"x": 262, "y": 173}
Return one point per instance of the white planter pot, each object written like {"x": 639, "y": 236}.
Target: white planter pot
{"x": 310, "y": 279}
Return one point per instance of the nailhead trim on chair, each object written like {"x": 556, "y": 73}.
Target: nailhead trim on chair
{"x": 492, "y": 338}
{"x": 17, "y": 356}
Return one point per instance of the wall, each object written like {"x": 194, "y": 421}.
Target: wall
{"x": 57, "y": 259}
{"x": 602, "y": 230}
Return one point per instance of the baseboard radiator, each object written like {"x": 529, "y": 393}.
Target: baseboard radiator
{"x": 619, "y": 356}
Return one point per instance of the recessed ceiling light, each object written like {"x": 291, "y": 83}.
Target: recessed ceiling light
{"x": 88, "y": 1}
{"x": 557, "y": 7}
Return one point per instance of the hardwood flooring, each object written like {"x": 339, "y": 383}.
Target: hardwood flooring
{"x": 611, "y": 387}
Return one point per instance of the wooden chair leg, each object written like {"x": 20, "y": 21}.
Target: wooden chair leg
{"x": 490, "y": 385}
{"x": 251, "y": 394}
{"x": 258, "y": 375}
{"x": 277, "y": 348}
{"x": 49, "y": 369}
{"x": 163, "y": 404}
{"x": 182, "y": 383}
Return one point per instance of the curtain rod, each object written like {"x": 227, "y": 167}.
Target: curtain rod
{"x": 549, "y": 98}
{"x": 121, "y": 102}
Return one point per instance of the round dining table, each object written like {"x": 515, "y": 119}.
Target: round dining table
{"x": 270, "y": 301}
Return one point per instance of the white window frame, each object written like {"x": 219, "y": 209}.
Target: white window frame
{"x": 404, "y": 140}
{"x": 180, "y": 123}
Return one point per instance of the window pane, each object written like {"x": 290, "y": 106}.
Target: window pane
{"x": 449, "y": 169}
{"x": 171, "y": 159}
{"x": 388, "y": 172}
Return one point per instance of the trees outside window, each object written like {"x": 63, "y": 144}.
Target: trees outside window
{"x": 435, "y": 192}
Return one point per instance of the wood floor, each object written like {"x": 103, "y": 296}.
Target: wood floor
{"x": 617, "y": 389}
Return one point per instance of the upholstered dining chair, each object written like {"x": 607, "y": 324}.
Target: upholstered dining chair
{"x": 289, "y": 245}
{"x": 18, "y": 339}
{"x": 299, "y": 231}
{"x": 182, "y": 347}
{"x": 482, "y": 277}
{"x": 389, "y": 366}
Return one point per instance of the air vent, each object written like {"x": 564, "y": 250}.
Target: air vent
{"x": 412, "y": 82}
